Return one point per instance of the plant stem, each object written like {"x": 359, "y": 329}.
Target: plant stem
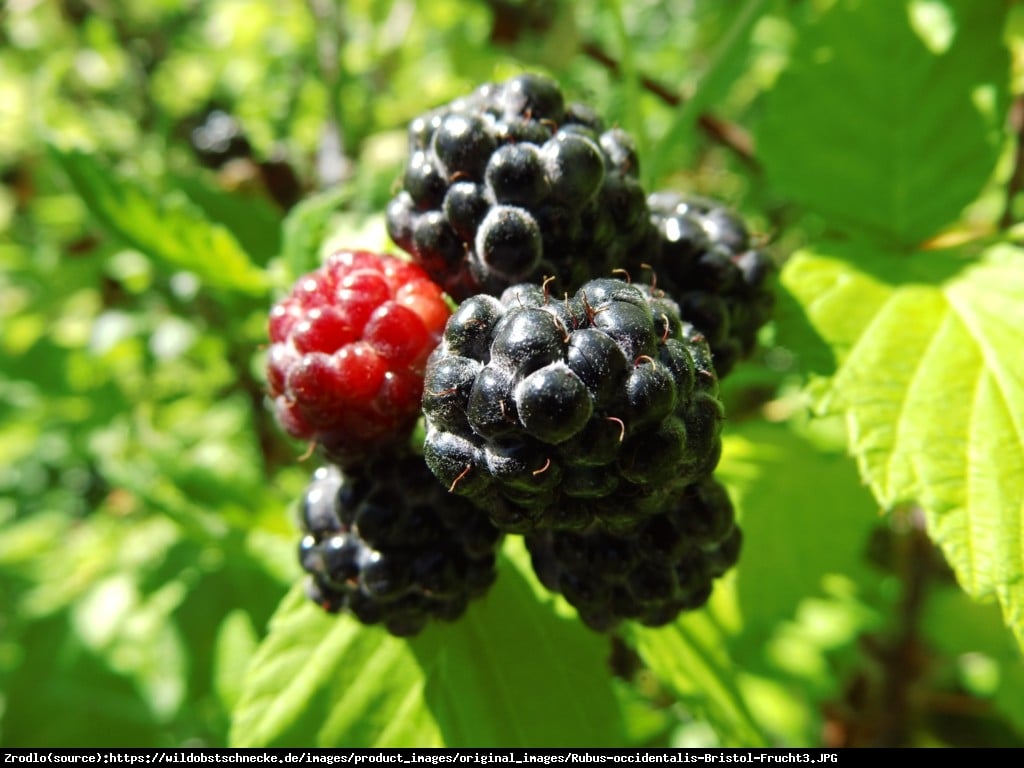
{"x": 882, "y": 706}
{"x": 1016, "y": 183}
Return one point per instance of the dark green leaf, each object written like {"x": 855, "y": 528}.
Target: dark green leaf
{"x": 890, "y": 116}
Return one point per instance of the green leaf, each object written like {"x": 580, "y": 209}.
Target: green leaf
{"x": 320, "y": 680}
{"x": 691, "y": 657}
{"x": 171, "y": 230}
{"x": 931, "y": 379}
{"x": 778, "y": 478}
{"x": 890, "y": 116}
{"x": 253, "y": 220}
{"x": 235, "y": 643}
{"x": 55, "y": 678}
{"x": 723, "y": 69}
{"x": 305, "y": 229}
{"x": 510, "y": 672}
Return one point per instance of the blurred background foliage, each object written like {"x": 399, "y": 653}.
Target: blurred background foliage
{"x": 159, "y": 156}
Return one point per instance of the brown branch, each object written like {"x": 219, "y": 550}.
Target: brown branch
{"x": 1016, "y": 183}
{"x": 594, "y": 51}
{"x": 727, "y": 134}
{"x": 884, "y": 702}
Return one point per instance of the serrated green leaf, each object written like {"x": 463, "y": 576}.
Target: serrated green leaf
{"x": 508, "y": 673}
{"x": 320, "y": 680}
{"x": 171, "y": 230}
{"x": 931, "y": 379}
{"x": 889, "y": 118}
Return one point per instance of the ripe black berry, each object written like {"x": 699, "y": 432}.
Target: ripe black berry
{"x": 508, "y": 246}
{"x": 565, "y": 190}
{"x": 596, "y": 406}
{"x": 463, "y": 145}
{"x": 706, "y": 262}
{"x": 574, "y": 167}
{"x": 662, "y": 566}
{"x": 515, "y": 175}
{"x": 385, "y": 543}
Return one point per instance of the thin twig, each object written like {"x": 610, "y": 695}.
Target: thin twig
{"x": 721, "y": 131}
{"x": 1016, "y": 183}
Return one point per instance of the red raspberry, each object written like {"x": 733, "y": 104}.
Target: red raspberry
{"x": 348, "y": 350}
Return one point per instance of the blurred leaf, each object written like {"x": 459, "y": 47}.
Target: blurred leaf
{"x": 508, "y": 673}
{"x": 932, "y": 383}
{"x": 132, "y": 633}
{"x": 236, "y": 642}
{"x": 57, "y": 680}
{"x": 797, "y": 336}
{"x": 889, "y": 120}
{"x": 254, "y": 222}
{"x": 171, "y": 230}
{"x": 719, "y": 75}
{"x": 691, "y": 657}
{"x": 970, "y": 632}
{"x": 778, "y": 479}
{"x": 306, "y": 227}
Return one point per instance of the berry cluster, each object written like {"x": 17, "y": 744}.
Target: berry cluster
{"x": 562, "y": 413}
{"x": 510, "y": 184}
{"x": 706, "y": 261}
{"x": 382, "y": 540}
{"x": 591, "y": 425}
{"x": 565, "y": 400}
{"x": 663, "y": 566}
{"x": 386, "y": 543}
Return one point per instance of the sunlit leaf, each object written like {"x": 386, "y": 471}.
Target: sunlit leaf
{"x": 931, "y": 380}
{"x": 171, "y": 230}
{"x": 509, "y": 673}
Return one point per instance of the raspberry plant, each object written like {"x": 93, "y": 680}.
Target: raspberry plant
{"x": 828, "y": 194}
